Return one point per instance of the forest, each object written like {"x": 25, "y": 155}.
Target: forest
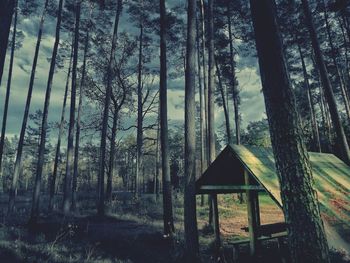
{"x": 141, "y": 131}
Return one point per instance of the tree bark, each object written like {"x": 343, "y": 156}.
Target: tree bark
{"x": 67, "y": 195}
{"x": 306, "y": 237}
{"x": 139, "y": 139}
{"x": 327, "y": 86}
{"x": 211, "y": 83}
{"x": 101, "y": 201}
{"x": 227, "y": 119}
{"x": 211, "y": 88}
{"x": 190, "y": 217}
{"x": 18, "y": 162}
{"x": 202, "y": 113}
{"x": 205, "y": 90}
{"x": 8, "y": 87}
{"x": 77, "y": 132}
{"x": 111, "y": 163}
{"x": 44, "y": 126}
{"x": 324, "y": 110}
{"x": 168, "y": 219}
{"x": 157, "y": 159}
{"x": 52, "y": 186}
{"x": 6, "y": 14}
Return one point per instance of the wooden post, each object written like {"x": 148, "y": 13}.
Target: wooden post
{"x": 255, "y": 195}
{"x": 210, "y": 202}
{"x": 252, "y": 222}
{"x": 214, "y": 199}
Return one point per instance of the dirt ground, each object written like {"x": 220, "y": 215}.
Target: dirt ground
{"x": 131, "y": 232}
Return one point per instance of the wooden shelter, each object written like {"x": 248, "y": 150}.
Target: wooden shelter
{"x": 249, "y": 169}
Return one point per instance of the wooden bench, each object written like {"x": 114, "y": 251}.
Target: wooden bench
{"x": 268, "y": 229}
{"x": 264, "y": 233}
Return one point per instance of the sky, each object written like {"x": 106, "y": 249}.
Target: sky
{"x": 252, "y": 104}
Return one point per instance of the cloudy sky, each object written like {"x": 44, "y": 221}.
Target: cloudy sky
{"x": 252, "y": 105}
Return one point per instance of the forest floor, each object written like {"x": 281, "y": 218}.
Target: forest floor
{"x": 131, "y": 232}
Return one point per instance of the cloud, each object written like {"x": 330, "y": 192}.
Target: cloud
{"x": 252, "y": 103}
{"x": 21, "y": 75}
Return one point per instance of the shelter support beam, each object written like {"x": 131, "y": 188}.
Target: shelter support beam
{"x": 228, "y": 189}
{"x": 214, "y": 200}
{"x": 255, "y": 197}
{"x": 252, "y": 216}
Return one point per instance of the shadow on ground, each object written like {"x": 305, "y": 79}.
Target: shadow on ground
{"x": 87, "y": 239}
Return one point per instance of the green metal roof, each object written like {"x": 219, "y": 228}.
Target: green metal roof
{"x": 331, "y": 176}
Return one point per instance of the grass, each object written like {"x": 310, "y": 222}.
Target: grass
{"x": 132, "y": 232}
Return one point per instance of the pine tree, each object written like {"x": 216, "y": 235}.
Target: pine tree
{"x": 190, "y": 219}
{"x": 307, "y": 241}
{"x": 8, "y": 87}
{"x": 101, "y": 197}
{"x": 40, "y": 164}
{"x": 164, "y": 140}
{"x": 18, "y": 162}
{"x": 67, "y": 194}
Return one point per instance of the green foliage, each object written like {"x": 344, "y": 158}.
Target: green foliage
{"x": 257, "y": 134}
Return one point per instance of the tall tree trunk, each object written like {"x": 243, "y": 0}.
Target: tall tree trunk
{"x": 190, "y": 217}
{"x": 205, "y": 90}
{"x": 111, "y": 163}
{"x": 235, "y": 92}
{"x": 67, "y": 195}
{"x": 157, "y": 159}
{"x": 18, "y": 162}
{"x": 139, "y": 139}
{"x": 6, "y": 13}
{"x": 327, "y": 86}
{"x": 52, "y": 185}
{"x": 211, "y": 83}
{"x": 8, "y": 87}
{"x": 44, "y": 126}
{"x": 328, "y": 123}
{"x": 306, "y": 238}
{"x": 202, "y": 113}
{"x": 111, "y": 63}
{"x": 324, "y": 110}
{"x": 314, "y": 126}
{"x": 77, "y": 132}
{"x": 168, "y": 219}
{"x": 223, "y": 98}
